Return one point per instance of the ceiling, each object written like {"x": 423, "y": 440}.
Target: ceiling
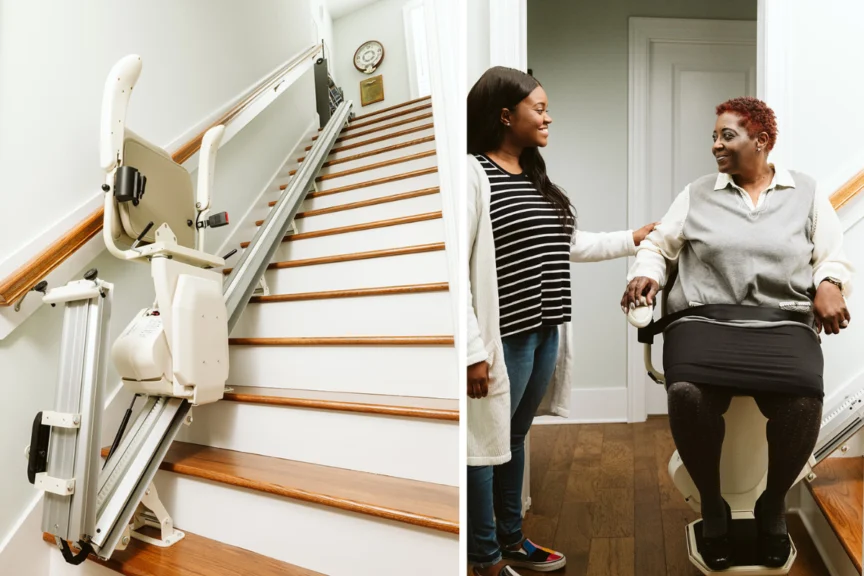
{"x": 339, "y": 8}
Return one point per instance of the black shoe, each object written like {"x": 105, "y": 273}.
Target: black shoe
{"x": 773, "y": 550}
{"x": 717, "y": 551}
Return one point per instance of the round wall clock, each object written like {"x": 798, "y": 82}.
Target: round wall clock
{"x": 368, "y": 56}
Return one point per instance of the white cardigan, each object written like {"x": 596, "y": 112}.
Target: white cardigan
{"x": 489, "y": 417}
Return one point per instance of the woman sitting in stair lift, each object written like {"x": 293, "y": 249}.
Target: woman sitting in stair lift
{"x": 521, "y": 238}
{"x": 758, "y": 236}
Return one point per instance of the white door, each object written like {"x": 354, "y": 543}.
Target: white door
{"x": 686, "y": 81}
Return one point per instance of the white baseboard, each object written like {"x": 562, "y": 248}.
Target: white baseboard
{"x": 593, "y": 405}
{"x": 824, "y": 538}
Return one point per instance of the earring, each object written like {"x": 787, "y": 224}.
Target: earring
{"x": 758, "y": 149}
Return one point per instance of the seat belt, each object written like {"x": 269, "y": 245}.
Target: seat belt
{"x": 724, "y": 313}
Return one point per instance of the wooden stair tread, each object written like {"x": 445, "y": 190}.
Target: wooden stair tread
{"x": 368, "y": 183}
{"x": 374, "y": 166}
{"x": 354, "y": 124}
{"x": 408, "y": 406}
{"x": 389, "y": 108}
{"x": 391, "y": 148}
{"x": 350, "y": 257}
{"x": 365, "y": 203}
{"x": 398, "y": 221}
{"x": 357, "y": 227}
{"x": 353, "y": 293}
{"x": 345, "y": 341}
{"x": 193, "y": 556}
{"x": 419, "y": 503}
{"x": 395, "y": 124}
{"x": 377, "y": 139}
{"x": 839, "y": 492}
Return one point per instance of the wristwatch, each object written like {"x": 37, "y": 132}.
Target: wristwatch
{"x": 834, "y": 281}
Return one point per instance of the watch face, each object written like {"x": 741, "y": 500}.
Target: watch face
{"x": 369, "y": 55}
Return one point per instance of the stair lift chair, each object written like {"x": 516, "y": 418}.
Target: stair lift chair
{"x": 743, "y": 464}
{"x": 174, "y": 353}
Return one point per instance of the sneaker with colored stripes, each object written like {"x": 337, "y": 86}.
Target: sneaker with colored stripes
{"x": 526, "y": 554}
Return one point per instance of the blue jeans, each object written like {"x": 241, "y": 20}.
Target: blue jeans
{"x": 495, "y": 492}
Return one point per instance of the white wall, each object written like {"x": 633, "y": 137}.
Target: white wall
{"x": 197, "y": 55}
{"x": 381, "y": 21}
{"x": 820, "y": 121}
{"x": 183, "y": 81}
{"x": 324, "y": 30}
{"x": 478, "y": 40}
{"x": 579, "y": 52}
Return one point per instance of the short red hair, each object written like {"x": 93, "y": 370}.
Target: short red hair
{"x": 755, "y": 115}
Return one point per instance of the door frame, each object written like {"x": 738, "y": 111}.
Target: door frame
{"x": 645, "y": 32}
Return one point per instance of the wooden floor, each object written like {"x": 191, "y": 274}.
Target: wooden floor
{"x": 602, "y": 496}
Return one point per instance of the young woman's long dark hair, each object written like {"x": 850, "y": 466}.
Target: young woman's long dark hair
{"x": 500, "y": 88}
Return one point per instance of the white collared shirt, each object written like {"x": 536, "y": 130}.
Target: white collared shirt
{"x": 667, "y": 239}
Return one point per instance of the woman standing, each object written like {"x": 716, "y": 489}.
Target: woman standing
{"x": 522, "y": 238}
{"x": 759, "y": 241}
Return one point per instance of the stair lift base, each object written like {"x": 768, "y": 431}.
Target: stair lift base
{"x": 743, "y": 534}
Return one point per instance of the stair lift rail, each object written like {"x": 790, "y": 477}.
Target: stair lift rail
{"x": 174, "y": 354}
{"x": 246, "y": 274}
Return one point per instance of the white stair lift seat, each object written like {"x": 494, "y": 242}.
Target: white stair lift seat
{"x": 743, "y": 472}
{"x": 182, "y": 349}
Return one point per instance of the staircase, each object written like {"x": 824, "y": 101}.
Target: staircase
{"x": 336, "y": 449}
{"x": 838, "y": 492}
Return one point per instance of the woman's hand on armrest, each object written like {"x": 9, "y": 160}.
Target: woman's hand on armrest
{"x": 830, "y": 309}
{"x": 639, "y": 292}
{"x": 640, "y": 234}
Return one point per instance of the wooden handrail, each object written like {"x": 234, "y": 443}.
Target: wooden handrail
{"x": 847, "y": 191}
{"x": 17, "y": 284}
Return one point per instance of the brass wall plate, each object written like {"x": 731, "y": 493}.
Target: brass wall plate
{"x": 372, "y": 90}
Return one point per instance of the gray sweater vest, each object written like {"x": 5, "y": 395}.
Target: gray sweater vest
{"x": 734, "y": 256}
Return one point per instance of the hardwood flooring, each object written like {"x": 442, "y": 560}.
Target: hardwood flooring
{"x": 602, "y": 496}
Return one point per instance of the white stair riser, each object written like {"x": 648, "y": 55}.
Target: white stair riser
{"x": 382, "y": 119}
{"x": 420, "y": 268}
{"x": 393, "y": 315}
{"x": 375, "y": 145}
{"x": 385, "y": 211}
{"x": 425, "y": 371}
{"x": 383, "y": 156}
{"x": 412, "y": 448}
{"x": 383, "y": 172}
{"x": 369, "y": 192}
{"x": 425, "y": 232}
{"x": 316, "y": 537}
{"x": 353, "y": 134}
{"x": 378, "y": 123}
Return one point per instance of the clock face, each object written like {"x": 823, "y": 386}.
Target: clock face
{"x": 369, "y": 56}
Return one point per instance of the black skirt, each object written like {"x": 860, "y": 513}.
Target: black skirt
{"x": 780, "y": 359}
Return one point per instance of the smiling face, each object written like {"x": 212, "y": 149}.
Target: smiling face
{"x": 528, "y": 122}
{"x": 734, "y": 149}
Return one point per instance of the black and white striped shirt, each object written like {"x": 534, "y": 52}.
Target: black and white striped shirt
{"x": 532, "y": 253}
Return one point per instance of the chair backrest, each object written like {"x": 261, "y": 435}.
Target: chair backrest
{"x": 168, "y": 194}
